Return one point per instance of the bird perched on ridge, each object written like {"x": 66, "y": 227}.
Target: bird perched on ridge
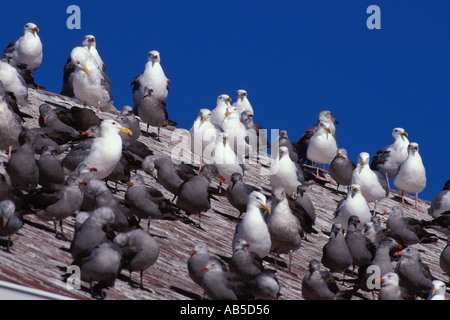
{"x": 389, "y": 158}
{"x": 440, "y": 202}
{"x": 302, "y": 143}
{"x": 238, "y": 192}
{"x": 25, "y": 53}
{"x": 242, "y": 103}
{"x": 285, "y": 229}
{"x": 253, "y": 228}
{"x": 411, "y": 176}
{"x": 354, "y": 204}
{"x": 10, "y": 221}
{"x": 218, "y": 113}
{"x": 91, "y": 85}
{"x": 303, "y": 208}
{"x": 341, "y": 168}
{"x": 14, "y": 83}
{"x": 139, "y": 251}
{"x": 335, "y": 253}
{"x": 322, "y": 145}
{"x": 106, "y": 149}
{"x": 152, "y": 110}
{"x": 90, "y": 45}
{"x": 286, "y": 173}
{"x": 193, "y": 194}
{"x": 203, "y": 135}
{"x": 374, "y": 187}
{"x": 152, "y": 77}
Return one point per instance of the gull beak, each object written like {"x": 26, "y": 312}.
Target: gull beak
{"x": 227, "y": 113}
{"x": 363, "y": 163}
{"x": 266, "y": 208}
{"x": 328, "y": 130}
{"x": 193, "y": 251}
{"x": 228, "y": 99}
{"x": 86, "y": 69}
{"x": 221, "y": 178}
{"x": 129, "y": 183}
{"x": 399, "y": 253}
{"x": 405, "y": 134}
{"x": 203, "y": 119}
{"x": 385, "y": 213}
{"x": 35, "y": 29}
{"x": 4, "y": 223}
{"x": 83, "y": 183}
{"x": 126, "y": 131}
{"x": 92, "y": 40}
{"x": 434, "y": 291}
{"x": 204, "y": 268}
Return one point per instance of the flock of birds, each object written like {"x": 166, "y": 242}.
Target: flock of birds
{"x": 61, "y": 168}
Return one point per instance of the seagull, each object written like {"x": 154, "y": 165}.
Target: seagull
{"x": 237, "y": 132}
{"x": 374, "y": 187}
{"x": 335, "y": 253}
{"x": 203, "y": 135}
{"x": 139, "y": 251}
{"x": 361, "y": 249}
{"x": 341, "y": 168}
{"x": 22, "y": 167}
{"x": 128, "y": 120}
{"x": 286, "y": 173}
{"x": 14, "y": 83}
{"x": 10, "y": 124}
{"x": 411, "y": 176}
{"x": 322, "y": 147}
{"x": 303, "y": 208}
{"x": 238, "y": 192}
{"x": 440, "y": 202}
{"x": 220, "y": 284}
{"x": 388, "y": 159}
{"x": 390, "y": 288}
{"x": 193, "y": 194}
{"x": 244, "y": 262}
{"x": 320, "y": 284}
{"x": 94, "y": 269}
{"x": 90, "y": 45}
{"x": 406, "y": 230}
{"x": 152, "y": 77}
{"x": 199, "y": 257}
{"x": 253, "y": 228}
{"x": 284, "y": 227}
{"x": 226, "y": 159}
{"x": 242, "y": 104}
{"x": 168, "y": 174}
{"x": 302, "y": 143}
{"x": 106, "y": 149}
{"x": 59, "y": 203}
{"x": 265, "y": 286}
{"x": 438, "y": 290}
{"x": 26, "y": 51}
{"x": 354, "y": 204}
{"x": 152, "y": 110}
{"x": 444, "y": 258}
{"x": 145, "y": 202}
{"x": 10, "y": 221}
{"x": 218, "y": 113}
{"x": 51, "y": 171}
{"x": 284, "y": 141}
{"x": 414, "y": 275}
{"x": 256, "y": 134}
{"x": 90, "y": 84}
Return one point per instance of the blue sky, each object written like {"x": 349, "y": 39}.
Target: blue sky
{"x": 294, "y": 58}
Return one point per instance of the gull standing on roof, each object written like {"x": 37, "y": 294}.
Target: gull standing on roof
{"x": 411, "y": 176}
{"x": 152, "y": 77}
{"x": 25, "y": 51}
{"x": 389, "y": 158}
{"x": 322, "y": 146}
{"x": 374, "y": 187}
{"x": 90, "y": 84}
{"x": 286, "y": 173}
{"x": 90, "y": 45}
{"x": 218, "y": 113}
{"x": 203, "y": 135}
